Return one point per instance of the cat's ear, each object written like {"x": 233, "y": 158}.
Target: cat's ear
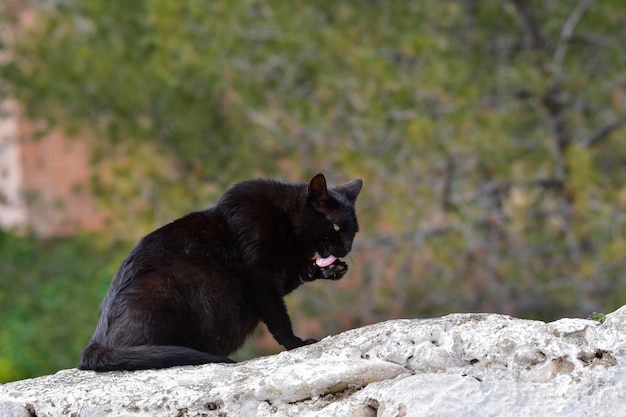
{"x": 351, "y": 189}
{"x": 317, "y": 190}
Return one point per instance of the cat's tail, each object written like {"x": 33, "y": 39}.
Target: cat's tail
{"x": 132, "y": 358}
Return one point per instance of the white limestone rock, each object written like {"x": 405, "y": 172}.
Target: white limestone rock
{"x": 457, "y": 365}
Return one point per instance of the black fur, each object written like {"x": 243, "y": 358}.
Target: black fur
{"x": 192, "y": 291}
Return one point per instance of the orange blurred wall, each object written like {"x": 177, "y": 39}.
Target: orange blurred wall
{"x": 44, "y": 181}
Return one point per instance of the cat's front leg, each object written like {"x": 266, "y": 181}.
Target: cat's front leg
{"x": 273, "y": 312}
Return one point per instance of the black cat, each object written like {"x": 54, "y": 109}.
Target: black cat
{"x": 192, "y": 291}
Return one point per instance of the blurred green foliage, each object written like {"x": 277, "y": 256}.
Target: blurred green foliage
{"x": 49, "y": 297}
{"x": 490, "y": 137}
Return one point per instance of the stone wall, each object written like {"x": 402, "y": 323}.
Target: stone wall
{"x": 457, "y": 365}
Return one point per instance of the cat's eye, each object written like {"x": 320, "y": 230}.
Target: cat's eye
{"x": 336, "y": 227}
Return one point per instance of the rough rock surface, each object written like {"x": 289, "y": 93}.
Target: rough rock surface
{"x": 457, "y": 365}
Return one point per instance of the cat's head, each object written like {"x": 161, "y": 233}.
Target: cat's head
{"x": 335, "y": 222}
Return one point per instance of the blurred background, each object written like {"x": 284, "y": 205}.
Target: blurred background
{"x": 489, "y": 134}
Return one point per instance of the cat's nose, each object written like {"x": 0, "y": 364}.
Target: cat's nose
{"x": 347, "y": 246}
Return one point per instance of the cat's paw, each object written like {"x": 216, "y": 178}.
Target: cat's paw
{"x": 334, "y": 271}
{"x": 296, "y": 342}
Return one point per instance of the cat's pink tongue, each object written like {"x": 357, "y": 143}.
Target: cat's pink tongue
{"x": 324, "y": 262}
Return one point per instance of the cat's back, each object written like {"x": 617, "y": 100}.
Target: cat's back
{"x": 197, "y": 227}
{"x": 260, "y": 192}
{"x": 221, "y": 235}
{"x": 197, "y": 239}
